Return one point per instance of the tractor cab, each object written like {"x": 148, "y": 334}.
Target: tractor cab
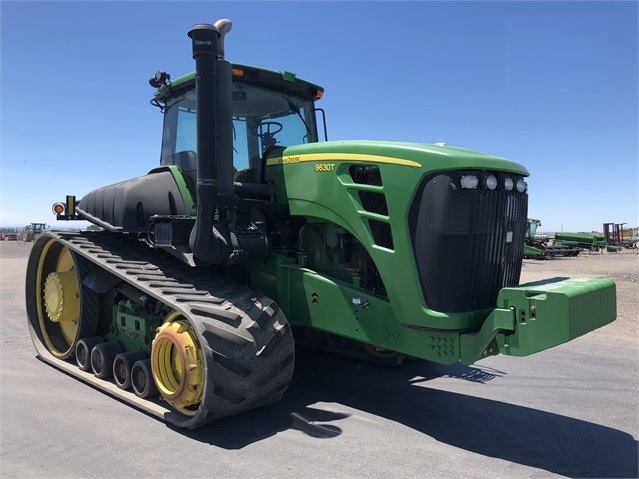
{"x": 32, "y": 231}
{"x": 270, "y": 110}
{"x": 37, "y": 227}
{"x": 531, "y": 228}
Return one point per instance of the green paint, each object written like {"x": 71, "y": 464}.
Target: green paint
{"x": 549, "y": 313}
{"x": 529, "y": 318}
{"x": 132, "y": 327}
{"x": 332, "y": 196}
{"x": 531, "y": 252}
{"x": 317, "y": 288}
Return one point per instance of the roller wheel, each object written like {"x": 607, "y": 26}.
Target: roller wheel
{"x": 122, "y": 365}
{"x": 102, "y": 357}
{"x": 59, "y": 308}
{"x": 83, "y": 351}
{"x": 142, "y": 379}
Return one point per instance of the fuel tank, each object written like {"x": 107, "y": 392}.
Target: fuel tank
{"x": 127, "y": 205}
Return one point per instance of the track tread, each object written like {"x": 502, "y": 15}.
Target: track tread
{"x": 247, "y": 366}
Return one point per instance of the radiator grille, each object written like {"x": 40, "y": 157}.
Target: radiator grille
{"x": 468, "y": 243}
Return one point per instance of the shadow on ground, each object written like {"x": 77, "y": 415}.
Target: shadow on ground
{"x": 555, "y": 443}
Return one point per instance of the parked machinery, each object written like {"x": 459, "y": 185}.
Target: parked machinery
{"x": 539, "y": 247}
{"x": 32, "y": 232}
{"x": 614, "y": 234}
{"x": 586, "y": 241}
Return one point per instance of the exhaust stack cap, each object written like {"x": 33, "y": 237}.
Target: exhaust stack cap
{"x": 204, "y": 39}
{"x": 223, "y": 26}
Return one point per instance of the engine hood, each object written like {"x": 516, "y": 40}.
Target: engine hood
{"x": 431, "y": 157}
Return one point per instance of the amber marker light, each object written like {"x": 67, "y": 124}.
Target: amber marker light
{"x": 58, "y": 208}
{"x": 237, "y": 72}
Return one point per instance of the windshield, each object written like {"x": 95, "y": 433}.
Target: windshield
{"x": 262, "y": 119}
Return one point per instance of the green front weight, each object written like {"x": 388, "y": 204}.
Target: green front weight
{"x": 555, "y": 311}
{"x": 536, "y": 316}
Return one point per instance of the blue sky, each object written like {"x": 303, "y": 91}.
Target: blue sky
{"x": 551, "y": 85}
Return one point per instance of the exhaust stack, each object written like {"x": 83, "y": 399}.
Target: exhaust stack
{"x": 218, "y": 239}
{"x": 210, "y": 242}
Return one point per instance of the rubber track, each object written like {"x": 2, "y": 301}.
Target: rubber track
{"x": 246, "y": 341}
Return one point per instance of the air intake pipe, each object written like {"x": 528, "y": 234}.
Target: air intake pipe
{"x": 209, "y": 241}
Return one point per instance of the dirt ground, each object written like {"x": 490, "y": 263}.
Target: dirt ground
{"x": 622, "y": 267}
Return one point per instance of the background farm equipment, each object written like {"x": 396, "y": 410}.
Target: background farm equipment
{"x": 538, "y": 246}
{"x": 614, "y": 234}
{"x": 9, "y": 234}
{"x": 585, "y": 241}
{"x": 32, "y": 232}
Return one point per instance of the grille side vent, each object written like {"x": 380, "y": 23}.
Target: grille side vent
{"x": 365, "y": 174}
{"x": 373, "y": 202}
{"x": 382, "y": 234}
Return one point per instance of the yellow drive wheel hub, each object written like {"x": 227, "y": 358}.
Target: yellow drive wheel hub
{"x": 177, "y": 364}
{"x": 61, "y": 293}
{"x": 58, "y": 298}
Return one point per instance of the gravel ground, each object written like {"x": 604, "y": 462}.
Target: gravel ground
{"x": 622, "y": 268}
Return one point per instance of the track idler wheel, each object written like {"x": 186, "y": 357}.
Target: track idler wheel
{"x": 122, "y": 366}
{"x": 142, "y": 379}
{"x": 102, "y": 357}
{"x": 83, "y": 351}
{"x": 55, "y": 298}
{"x": 178, "y": 365}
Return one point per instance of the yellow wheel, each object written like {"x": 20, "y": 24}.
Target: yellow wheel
{"x": 54, "y": 296}
{"x": 177, "y": 364}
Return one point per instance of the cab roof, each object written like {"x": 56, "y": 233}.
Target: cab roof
{"x": 283, "y": 80}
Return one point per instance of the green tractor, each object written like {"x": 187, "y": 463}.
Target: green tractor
{"x": 32, "y": 232}
{"x": 252, "y": 232}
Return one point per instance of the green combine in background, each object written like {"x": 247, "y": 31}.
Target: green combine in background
{"x": 254, "y": 230}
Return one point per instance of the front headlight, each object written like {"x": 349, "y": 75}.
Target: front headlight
{"x": 508, "y": 184}
{"x": 490, "y": 182}
{"x": 521, "y": 185}
{"x": 469, "y": 182}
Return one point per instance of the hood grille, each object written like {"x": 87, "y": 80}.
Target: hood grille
{"x": 468, "y": 243}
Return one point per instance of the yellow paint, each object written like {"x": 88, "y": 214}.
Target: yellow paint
{"x": 177, "y": 364}
{"x": 358, "y": 157}
{"x": 324, "y": 167}
{"x": 69, "y": 326}
{"x": 61, "y": 293}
